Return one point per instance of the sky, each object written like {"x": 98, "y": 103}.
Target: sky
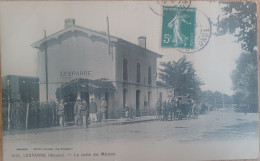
{"x": 23, "y": 23}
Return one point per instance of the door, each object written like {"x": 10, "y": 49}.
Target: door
{"x": 85, "y": 95}
{"x": 138, "y": 103}
{"x": 107, "y": 99}
{"x": 69, "y": 107}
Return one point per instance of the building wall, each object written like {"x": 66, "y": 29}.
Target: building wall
{"x": 165, "y": 93}
{"x": 133, "y": 57}
{"x": 20, "y": 88}
{"x": 75, "y": 54}
{"x": 131, "y": 97}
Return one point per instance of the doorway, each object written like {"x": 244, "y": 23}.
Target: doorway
{"x": 149, "y": 99}
{"x": 84, "y": 96}
{"x": 138, "y": 103}
{"x": 107, "y": 99}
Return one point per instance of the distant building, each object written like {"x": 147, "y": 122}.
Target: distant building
{"x": 80, "y": 65}
{"x": 20, "y": 88}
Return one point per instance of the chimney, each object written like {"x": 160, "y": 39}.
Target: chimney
{"x": 142, "y": 41}
{"x": 69, "y": 22}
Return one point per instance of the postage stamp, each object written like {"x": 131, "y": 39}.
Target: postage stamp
{"x": 178, "y": 28}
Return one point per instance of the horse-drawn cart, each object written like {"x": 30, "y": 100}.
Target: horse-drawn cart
{"x": 180, "y": 107}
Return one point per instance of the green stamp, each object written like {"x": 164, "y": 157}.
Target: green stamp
{"x": 178, "y": 27}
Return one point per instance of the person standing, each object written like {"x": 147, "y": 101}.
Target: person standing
{"x": 85, "y": 111}
{"x": 60, "y": 113}
{"x": 93, "y": 110}
{"x": 159, "y": 109}
{"x": 127, "y": 111}
{"x": 103, "y": 108}
{"x": 77, "y": 112}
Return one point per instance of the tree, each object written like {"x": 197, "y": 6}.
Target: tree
{"x": 181, "y": 75}
{"x": 245, "y": 80}
{"x": 217, "y": 99}
{"x": 239, "y": 19}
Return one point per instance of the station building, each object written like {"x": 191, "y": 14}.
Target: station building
{"x": 77, "y": 62}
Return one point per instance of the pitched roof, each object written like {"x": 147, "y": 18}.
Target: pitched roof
{"x": 73, "y": 28}
{"x": 92, "y": 34}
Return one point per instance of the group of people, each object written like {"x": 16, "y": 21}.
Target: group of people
{"x": 84, "y": 112}
{"x": 129, "y": 111}
{"x": 176, "y": 107}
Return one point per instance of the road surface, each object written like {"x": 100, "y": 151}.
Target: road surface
{"x": 221, "y": 134}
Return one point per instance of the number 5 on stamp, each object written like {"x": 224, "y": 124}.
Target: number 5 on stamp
{"x": 178, "y": 27}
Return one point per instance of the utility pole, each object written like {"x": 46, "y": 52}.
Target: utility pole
{"x": 108, "y": 37}
{"x": 46, "y": 67}
{"x": 9, "y": 104}
{"x": 27, "y": 110}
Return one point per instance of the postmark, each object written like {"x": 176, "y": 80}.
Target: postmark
{"x": 202, "y": 33}
{"x": 156, "y": 6}
{"x": 178, "y": 27}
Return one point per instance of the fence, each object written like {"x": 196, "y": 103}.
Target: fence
{"x": 24, "y": 116}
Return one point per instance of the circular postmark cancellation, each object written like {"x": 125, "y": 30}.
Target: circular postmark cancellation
{"x": 187, "y": 32}
{"x": 202, "y": 33}
{"x": 156, "y": 6}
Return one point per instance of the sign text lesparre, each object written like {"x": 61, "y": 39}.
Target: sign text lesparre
{"x": 75, "y": 73}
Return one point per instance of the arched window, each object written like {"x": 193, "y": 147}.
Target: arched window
{"x": 138, "y": 73}
{"x": 149, "y": 75}
{"x": 125, "y": 74}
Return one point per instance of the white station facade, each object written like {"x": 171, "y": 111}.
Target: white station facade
{"x": 76, "y": 63}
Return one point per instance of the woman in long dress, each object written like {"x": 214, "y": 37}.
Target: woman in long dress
{"x": 175, "y": 25}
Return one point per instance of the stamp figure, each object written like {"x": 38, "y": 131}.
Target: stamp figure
{"x": 175, "y": 24}
{"x": 178, "y": 28}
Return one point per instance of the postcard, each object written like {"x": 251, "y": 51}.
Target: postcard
{"x": 129, "y": 80}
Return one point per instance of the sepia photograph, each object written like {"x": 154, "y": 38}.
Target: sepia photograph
{"x": 129, "y": 80}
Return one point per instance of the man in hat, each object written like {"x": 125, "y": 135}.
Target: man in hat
{"x": 103, "y": 108}
{"x": 159, "y": 109}
{"x": 77, "y": 112}
{"x": 60, "y": 113}
{"x": 93, "y": 110}
{"x": 84, "y": 112}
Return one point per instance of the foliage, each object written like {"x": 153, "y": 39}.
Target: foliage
{"x": 239, "y": 19}
{"x": 244, "y": 79}
{"x": 217, "y": 99}
{"x": 181, "y": 75}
